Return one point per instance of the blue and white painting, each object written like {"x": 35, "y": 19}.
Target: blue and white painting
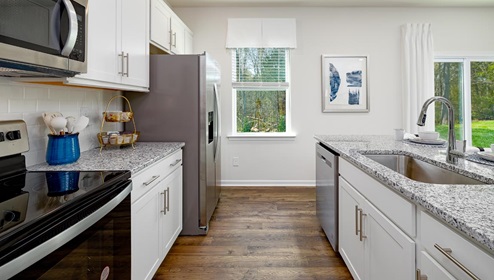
{"x": 334, "y": 82}
{"x": 344, "y": 83}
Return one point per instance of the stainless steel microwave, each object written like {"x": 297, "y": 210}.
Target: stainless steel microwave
{"x": 43, "y": 38}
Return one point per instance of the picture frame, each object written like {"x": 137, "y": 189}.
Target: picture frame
{"x": 345, "y": 86}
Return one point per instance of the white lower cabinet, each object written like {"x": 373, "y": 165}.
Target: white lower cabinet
{"x": 370, "y": 244}
{"x": 156, "y": 214}
{"x": 430, "y": 269}
{"x": 454, "y": 256}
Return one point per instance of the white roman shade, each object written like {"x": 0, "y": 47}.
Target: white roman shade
{"x": 261, "y": 33}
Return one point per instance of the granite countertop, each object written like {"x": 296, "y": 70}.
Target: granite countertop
{"x": 115, "y": 158}
{"x": 468, "y": 208}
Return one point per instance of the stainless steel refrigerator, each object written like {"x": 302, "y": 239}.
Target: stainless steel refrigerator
{"x": 183, "y": 105}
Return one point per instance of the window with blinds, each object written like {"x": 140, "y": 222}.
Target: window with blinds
{"x": 260, "y": 85}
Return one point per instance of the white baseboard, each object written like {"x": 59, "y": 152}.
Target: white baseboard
{"x": 268, "y": 183}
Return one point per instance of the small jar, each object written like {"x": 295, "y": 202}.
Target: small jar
{"x": 105, "y": 139}
{"x": 113, "y": 139}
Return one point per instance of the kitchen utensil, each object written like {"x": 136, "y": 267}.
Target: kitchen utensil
{"x": 80, "y": 124}
{"x": 58, "y": 124}
{"x": 47, "y": 120}
{"x": 70, "y": 124}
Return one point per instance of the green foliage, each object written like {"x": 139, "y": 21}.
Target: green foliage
{"x": 260, "y": 108}
{"x": 482, "y": 133}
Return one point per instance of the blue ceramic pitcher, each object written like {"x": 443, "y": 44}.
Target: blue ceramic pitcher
{"x": 62, "y": 149}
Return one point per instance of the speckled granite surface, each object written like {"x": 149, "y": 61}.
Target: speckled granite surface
{"x": 114, "y": 158}
{"x": 469, "y": 209}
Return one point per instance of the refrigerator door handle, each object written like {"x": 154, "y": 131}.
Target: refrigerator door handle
{"x": 218, "y": 121}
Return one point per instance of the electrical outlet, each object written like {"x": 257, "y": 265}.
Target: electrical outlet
{"x": 235, "y": 161}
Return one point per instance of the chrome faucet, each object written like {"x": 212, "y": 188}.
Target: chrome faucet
{"x": 452, "y": 156}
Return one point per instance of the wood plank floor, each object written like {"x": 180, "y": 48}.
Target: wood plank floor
{"x": 257, "y": 233}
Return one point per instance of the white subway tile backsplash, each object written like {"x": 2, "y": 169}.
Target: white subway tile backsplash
{"x": 9, "y": 91}
{"x": 35, "y": 93}
{"x": 22, "y": 105}
{"x": 48, "y": 105}
{"x": 4, "y": 105}
{"x": 28, "y": 101}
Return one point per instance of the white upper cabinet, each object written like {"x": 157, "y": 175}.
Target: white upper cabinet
{"x": 118, "y": 49}
{"x": 168, "y": 33}
{"x": 159, "y": 31}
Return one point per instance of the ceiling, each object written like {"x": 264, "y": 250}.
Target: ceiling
{"x": 331, "y": 3}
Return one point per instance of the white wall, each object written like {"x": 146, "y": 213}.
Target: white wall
{"x": 21, "y": 101}
{"x": 352, "y": 31}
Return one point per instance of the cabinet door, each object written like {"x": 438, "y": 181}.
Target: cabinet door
{"x": 432, "y": 269}
{"x": 160, "y": 24}
{"x": 145, "y": 236}
{"x": 178, "y": 36}
{"x": 171, "y": 210}
{"x": 389, "y": 253}
{"x": 350, "y": 246}
{"x": 102, "y": 42}
{"x": 135, "y": 45}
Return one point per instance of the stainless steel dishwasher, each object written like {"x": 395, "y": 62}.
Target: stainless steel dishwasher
{"x": 327, "y": 192}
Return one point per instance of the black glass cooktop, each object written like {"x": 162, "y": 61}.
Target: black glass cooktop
{"x": 28, "y": 197}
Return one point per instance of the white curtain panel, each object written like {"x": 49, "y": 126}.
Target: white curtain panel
{"x": 418, "y": 74}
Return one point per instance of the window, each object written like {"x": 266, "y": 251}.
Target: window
{"x": 469, "y": 84}
{"x": 260, "y": 83}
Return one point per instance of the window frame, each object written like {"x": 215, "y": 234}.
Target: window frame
{"x": 467, "y": 93}
{"x": 260, "y": 86}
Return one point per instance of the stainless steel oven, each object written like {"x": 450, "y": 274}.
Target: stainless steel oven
{"x": 61, "y": 224}
{"x": 43, "y": 37}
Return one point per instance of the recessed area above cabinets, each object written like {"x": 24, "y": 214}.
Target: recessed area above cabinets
{"x": 167, "y": 32}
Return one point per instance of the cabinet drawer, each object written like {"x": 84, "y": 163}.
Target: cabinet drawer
{"x": 399, "y": 210}
{"x": 145, "y": 180}
{"x": 433, "y": 270}
{"x": 469, "y": 255}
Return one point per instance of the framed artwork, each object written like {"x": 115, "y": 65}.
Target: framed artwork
{"x": 344, "y": 84}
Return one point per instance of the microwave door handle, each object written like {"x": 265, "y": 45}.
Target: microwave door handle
{"x": 72, "y": 37}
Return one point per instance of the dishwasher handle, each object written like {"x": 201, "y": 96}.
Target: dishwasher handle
{"x": 328, "y": 162}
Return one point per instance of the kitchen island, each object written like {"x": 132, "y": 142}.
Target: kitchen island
{"x": 468, "y": 208}
{"x": 440, "y": 230}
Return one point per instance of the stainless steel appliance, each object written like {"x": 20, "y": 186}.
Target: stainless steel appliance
{"x": 60, "y": 224}
{"x": 183, "y": 105}
{"x": 327, "y": 192}
{"x": 43, "y": 38}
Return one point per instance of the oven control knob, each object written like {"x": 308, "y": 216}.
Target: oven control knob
{"x": 14, "y": 135}
{"x": 2, "y": 137}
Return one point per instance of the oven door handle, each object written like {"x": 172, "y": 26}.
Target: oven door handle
{"x": 24, "y": 261}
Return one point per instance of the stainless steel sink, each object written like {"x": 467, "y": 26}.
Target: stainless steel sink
{"x": 422, "y": 171}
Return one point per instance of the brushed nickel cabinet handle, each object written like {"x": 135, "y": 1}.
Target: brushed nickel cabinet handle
{"x": 362, "y": 236}
{"x": 168, "y": 199}
{"x": 175, "y": 39}
{"x": 419, "y": 276}
{"x": 126, "y": 57}
{"x": 356, "y": 219}
{"x": 447, "y": 253}
{"x": 151, "y": 180}
{"x": 166, "y": 194}
{"x": 176, "y": 162}
{"x": 121, "y": 55}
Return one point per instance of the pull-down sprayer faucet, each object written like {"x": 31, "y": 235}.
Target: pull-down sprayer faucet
{"x": 450, "y": 157}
